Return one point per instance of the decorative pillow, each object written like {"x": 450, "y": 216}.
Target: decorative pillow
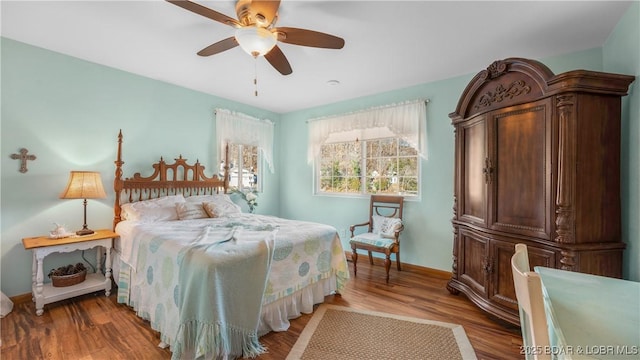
{"x": 190, "y": 210}
{"x": 385, "y": 226}
{"x": 160, "y": 209}
{"x": 166, "y": 213}
{"x": 220, "y": 208}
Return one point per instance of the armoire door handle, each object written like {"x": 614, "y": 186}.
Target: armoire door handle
{"x": 488, "y": 171}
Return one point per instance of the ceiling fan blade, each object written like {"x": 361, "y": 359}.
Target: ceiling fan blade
{"x": 306, "y": 37}
{"x": 206, "y": 12}
{"x": 220, "y": 46}
{"x": 276, "y": 58}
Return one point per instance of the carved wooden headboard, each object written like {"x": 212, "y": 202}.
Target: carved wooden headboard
{"x": 167, "y": 179}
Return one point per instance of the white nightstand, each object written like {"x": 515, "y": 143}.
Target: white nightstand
{"x": 44, "y": 245}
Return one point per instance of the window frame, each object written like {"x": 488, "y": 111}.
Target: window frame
{"x": 240, "y": 165}
{"x": 364, "y": 191}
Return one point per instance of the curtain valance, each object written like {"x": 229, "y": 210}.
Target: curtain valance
{"x": 237, "y": 128}
{"x": 407, "y": 120}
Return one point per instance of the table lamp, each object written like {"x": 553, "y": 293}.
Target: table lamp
{"x": 84, "y": 185}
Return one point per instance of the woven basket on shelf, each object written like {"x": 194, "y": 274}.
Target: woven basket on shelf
{"x": 68, "y": 280}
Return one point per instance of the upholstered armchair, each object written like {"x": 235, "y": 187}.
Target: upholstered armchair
{"x": 383, "y": 231}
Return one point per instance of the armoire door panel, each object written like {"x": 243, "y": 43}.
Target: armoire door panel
{"x": 473, "y": 261}
{"x": 474, "y": 201}
{"x": 520, "y": 152}
{"x": 501, "y": 290}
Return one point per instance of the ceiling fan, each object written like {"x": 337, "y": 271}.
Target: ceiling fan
{"x": 256, "y": 32}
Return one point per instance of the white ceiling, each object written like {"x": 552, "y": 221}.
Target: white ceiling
{"x": 388, "y": 44}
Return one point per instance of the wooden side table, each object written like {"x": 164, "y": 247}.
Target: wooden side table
{"x": 44, "y": 245}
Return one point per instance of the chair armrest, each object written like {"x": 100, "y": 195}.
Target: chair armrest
{"x": 396, "y": 234}
{"x": 353, "y": 227}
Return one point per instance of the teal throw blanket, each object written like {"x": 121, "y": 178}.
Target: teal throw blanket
{"x": 222, "y": 282}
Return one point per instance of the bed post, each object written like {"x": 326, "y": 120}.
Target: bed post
{"x": 117, "y": 182}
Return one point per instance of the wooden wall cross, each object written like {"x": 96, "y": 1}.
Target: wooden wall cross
{"x": 23, "y": 157}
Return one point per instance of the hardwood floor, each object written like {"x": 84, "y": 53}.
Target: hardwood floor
{"x": 97, "y": 327}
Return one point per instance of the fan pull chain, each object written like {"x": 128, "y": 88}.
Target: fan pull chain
{"x": 255, "y": 75}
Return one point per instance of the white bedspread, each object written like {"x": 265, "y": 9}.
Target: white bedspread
{"x": 305, "y": 255}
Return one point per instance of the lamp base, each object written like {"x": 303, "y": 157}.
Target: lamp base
{"x": 84, "y": 231}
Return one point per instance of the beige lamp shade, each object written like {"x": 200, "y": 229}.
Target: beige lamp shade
{"x": 84, "y": 185}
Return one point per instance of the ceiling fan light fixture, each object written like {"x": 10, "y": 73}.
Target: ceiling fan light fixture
{"x": 256, "y": 41}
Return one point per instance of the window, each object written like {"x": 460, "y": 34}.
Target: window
{"x": 250, "y": 142}
{"x": 374, "y": 151}
{"x": 391, "y": 166}
{"x": 244, "y": 169}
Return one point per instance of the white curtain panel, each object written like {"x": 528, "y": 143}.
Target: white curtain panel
{"x": 407, "y": 120}
{"x": 237, "y": 128}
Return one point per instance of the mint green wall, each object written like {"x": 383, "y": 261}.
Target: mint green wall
{"x": 622, "y": 55}
{"x": 68, "y": 112}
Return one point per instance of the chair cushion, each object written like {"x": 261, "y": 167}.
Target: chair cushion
{"x": 385, "y": 226}
{"x": 372, "y": 239}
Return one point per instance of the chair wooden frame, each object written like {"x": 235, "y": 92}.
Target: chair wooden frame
{"x": 382, "y": 205}
{"x": 533, "y": 320}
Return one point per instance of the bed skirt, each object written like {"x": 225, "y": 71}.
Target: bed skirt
{"x": 274, "y": 316}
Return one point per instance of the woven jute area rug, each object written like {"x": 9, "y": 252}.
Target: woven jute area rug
{"x": 336, "y": 332}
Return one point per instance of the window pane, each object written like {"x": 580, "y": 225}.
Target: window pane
{"x": 388, "y": 147}
{"x": 373, "y": 148}
{"x": 234, "y": 156}
{"x": 325, "y": 184}
{"x": 409, "y": 185}
{"x": 408, "y": 166}
{"x": 234, "y": 151}
{"x": 354, "y": 167}
{"x": 355, "y": 149}
{"x": 244, "y": 166}
{"x": 406, "y": 150}
{"x": 352, "y": 158}
{"x": 354, "y": 185}
{"x": 249, "y": 166}
{"x": 340, "y": 167}
{"x": 373, "y": 167}
{"x": 388, "y": 166}
{"x": 326, "y": 169}
{"x": 326, "y": 159}
{"x": 385, "y": 184}
{"x": 343, "y": 161}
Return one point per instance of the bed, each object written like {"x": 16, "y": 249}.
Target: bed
{"x": 208, "y": 277}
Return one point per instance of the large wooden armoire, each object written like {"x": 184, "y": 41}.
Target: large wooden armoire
{"x": 537, "y": 161}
